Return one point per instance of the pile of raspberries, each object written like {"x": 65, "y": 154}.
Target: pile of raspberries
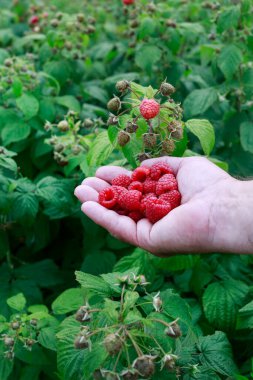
{"x": 149, "y": 193}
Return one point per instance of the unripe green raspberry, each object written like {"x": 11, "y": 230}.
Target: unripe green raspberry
{"x": 131, "y": 127}
{"x": 122, "y": 85}
{"x": 88, "y": 123}
{"x": 15, "y": 325}
{"x": 145, "y": 366}
{"x": 129, "y": 374}
{"x": 123, "y": 138}
{"x": 167, "y": 89}
{"x": 173, "y": 331}
{"x": 90, "y": 29}
{"x": 171, "y": 23}
{"x": 177, "y": 134}
{"x": 68, "y": 45}
{"x": 113, "y": 344}
{"x": 112, "y": 120}
{"x": 76, "y": 149}
{"x": 149, "y": 140}
{"x": 168, "y": 146}
{"x": 8, "y": 62}
{"x": 114, "y": 104}
{"x": 9, "y": 341}
{"x": 59, "y": 147}
{"x": 81, "y": 342}
{"x": 143, "y": 156}
{"x": 80, "y": 17}
{"x": 54, "y": 23}
{"x": 63, "y": 126}
{"x": 134, "y": 23}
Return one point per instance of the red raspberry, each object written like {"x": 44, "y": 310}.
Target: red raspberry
{"x": 149, "y": 186}
{"x": 166, "y": 183}
{"x": 135, "y": 215}
{"x": 108, "y": 197}
{"x": 173, "y": 197}
{"x": 159, "y": 169}
{"x": 136, "y": 185}
{"x": 149, "y": 108}
{"x": 156, "y": 209}
{"x": 128, "y": 2}
{"x": 130, "y": 200}
{"x": 119, "y": 189}
{"x": 34, "y": 20}
{"x": 140, "y": 174}
{"x": 121, "y": 180}
{"x": 144, "y": 201}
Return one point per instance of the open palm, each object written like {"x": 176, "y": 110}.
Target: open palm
{"x": 191, "y": 227}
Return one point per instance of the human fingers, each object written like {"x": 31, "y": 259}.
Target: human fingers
{"x": 96, "y": 183}
{"x": 86, "y": 193}
{"x": 107, "y": 173}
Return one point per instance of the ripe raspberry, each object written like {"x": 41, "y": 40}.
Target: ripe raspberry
{"x": 34, "y": 20}
{"x": 135, "y": 215}
{"x": 144, "y": 200}
{"x": 140, "y": 174}
{"x": 149, "y": 108}
{"x": 119, "y": 189}
{"x": 121, "y": 180}
{"x": 130, "y": 200}
{"x": 136, "y": 185}
{"x": 156, "y": 209}
{"x": 166, "y": 183}
{"x": 159, "y": 169}
{"x": 173, "y": 197}
{"x": 149, "y": 186}
{"x": 108, "y": 197}
{"x": 128, "y": 2}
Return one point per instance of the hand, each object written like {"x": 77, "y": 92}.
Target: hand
{"x": 200, "y": 224}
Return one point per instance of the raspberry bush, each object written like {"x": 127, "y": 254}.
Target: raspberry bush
{"x": 84, "y": 84}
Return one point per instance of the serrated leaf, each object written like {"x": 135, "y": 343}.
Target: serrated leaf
{"x": 100, "y": 150}
{"x": 177, "y": 263}
{"x": 175, "y": 307}
{"x": 228, "y": 18}
{"x": 221, "y": 302}
{"x": 198, "y": 101}
{"x": 15, "y": 132}
{"x": 47, "y": 338}
{"x": 246, "y": 136}
{"x": 147, "y": 56}
{"x": 69, "y": 300}
{"x": 25, "y": 207}
{"x": 216, "y": 353}
{"x": 29, "y": 105}
{"x": 94, "y": 284}
{"x": 204, "y": 131}
{"x": 229, "y": 60}
{"x": 17, "y": 302}
{"x": 69, "y": 102}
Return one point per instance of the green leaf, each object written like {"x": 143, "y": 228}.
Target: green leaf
{"x": 6, "y": 365}
{"x": 221, "y": 302}
{"x": 15, "y": 132}
{"x": 25, "y": 207}
{"x": 146, "y": 28}
{"x": 177, "y": 263}
{"x": 245, "y": 318}
{"x": 100, "y": 150}
{"x": 138, "y": 259}
{"x": 229, "y": 60}
{"x": 246, "y": 135}
{"x": 17, "y": 302}
{"x": 175, "y": 306}
{"x": 69, "y": 102}
{"x": 198, "y": 101}
{"x": 216, "y": 353}
{"x": 204, "y": 130}
{"x": 228, "y": 18}
{"x": 29, "y": 105}
{"x": 147, "y": 56}
{"x": 94, "y": 284}
{"x": 113, "y": 133}
{"x": 47, "y": 338}
{"x": 68, "y": 301}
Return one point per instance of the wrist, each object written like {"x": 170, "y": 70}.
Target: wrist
{"x": 231, "y": 219}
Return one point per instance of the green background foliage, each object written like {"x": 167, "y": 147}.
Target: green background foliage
{"x": 44, "y": 238}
